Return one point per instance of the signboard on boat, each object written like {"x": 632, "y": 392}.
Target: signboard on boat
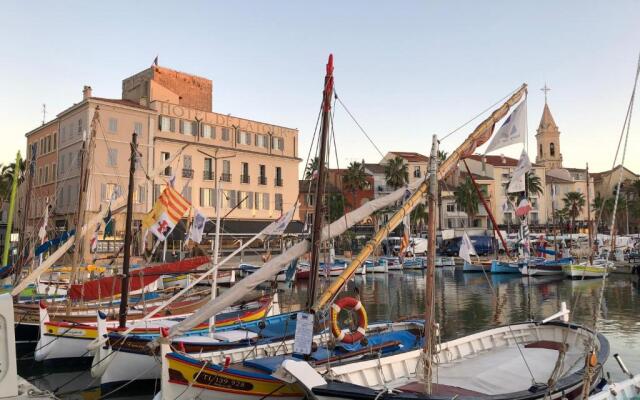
{"x": 304, "y": 333}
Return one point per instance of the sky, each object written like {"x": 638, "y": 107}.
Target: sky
{"x": 406, "y": 70}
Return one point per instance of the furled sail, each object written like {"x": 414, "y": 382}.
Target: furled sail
{"x": 273, "y": 267}
{"x": 111, "y": 285}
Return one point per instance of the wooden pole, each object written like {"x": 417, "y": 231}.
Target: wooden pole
{"x": 429, "y": 317}
{"x": 12, "y": 204}
{"x": 318, "y": 216}
{"x": 589, "y": 229}
{"x": 124, "y": 287}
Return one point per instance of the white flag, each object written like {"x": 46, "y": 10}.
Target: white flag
{"x": 278, "y": 226}
{"x": 518, "y": 183}
{"x": 197, "y": 227}
{"x": 553, "y": 196}
{"x": 514, "y": 129}
{"x": 42, "y": 232}
{"x": 466, "y": 248}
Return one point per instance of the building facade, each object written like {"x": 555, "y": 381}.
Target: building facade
{"x": 254, "y": 164}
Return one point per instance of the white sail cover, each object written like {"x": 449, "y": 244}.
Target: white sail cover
{"x": 273, "y": 267}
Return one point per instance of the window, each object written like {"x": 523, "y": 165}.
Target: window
{"x": 244, "y": 178}
{"x": 208, "y": 169}
{"x": 48, "y": 144}
{"x": 226, "y": 171}
{"x": 552, "y": 149}
{"x": 209, "y": 131}
{"x": 278, "y": 179}
{"x": 46, "y": 174}
{"x": 78, "y": 158}
{"x": 110, "y": 191}
{"x": 164, "y": 156}
{"x": 278, "y": 201}
{"x": 248, "y": 203}
{"x": 39, "y": 180}
{"x": 451, "y": 207}
{"x": 186, "y": 127}
{"x": 416, "y": 172}
{"x": 262, "y": 180}
{"x": 63, "y": 134}
{"x": 113, "y": 125}
{"x": 240, "y": 195}
{"x": 60, "y": 201}
{"x": 41, "y": 147}
{"x": 55, "y": 140}
{"x": 113, "y": 157}
{"x": 257, "y": 197}
{"x": 62, "y": 157}
{"x": 265, "y": 201}
{"x": 137, "y": 128}
{"x": 541, "y": 151}
{"x": 262, "y": 141}
{"x": 142, "y": 194}
{"x": 80, "y": 125}
{"x": 187, "y": 170}
{"x": 207, "y": 197}
{"x": 54, "y": 171}
{"x": 156, "y": 191}
{"x": 186, "y": 193}
{"x": 244, "y": 137}
{"x": 165, "y": 123}
{"x": 225, "y": 134}
{"x": 277, "y": 143}
{"x": 310, "y": 199}
{"x": 230, "y": 195}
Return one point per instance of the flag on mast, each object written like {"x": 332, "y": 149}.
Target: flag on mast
{"x": 277, "y": 227}
{"x": 166, "y": 213}
{"x": 197, "y": 227}
{"x": 514, "y": 129}
{"x": 518, "y": 177}
{"x": 42, "y": 232}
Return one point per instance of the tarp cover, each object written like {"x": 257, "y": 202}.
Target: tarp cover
{"x": 111, "y": 285}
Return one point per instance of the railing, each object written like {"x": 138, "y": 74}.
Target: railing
{"x": 278, "y": 181}
{"x": 225, "y": 177}
{"x": 187, "y": 173}
{"x": 207, "y": 175}
{"x": 245, "y": 178}
{"x": 262, "y": 180}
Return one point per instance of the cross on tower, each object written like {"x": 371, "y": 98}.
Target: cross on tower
{"x": 545, "y": 89}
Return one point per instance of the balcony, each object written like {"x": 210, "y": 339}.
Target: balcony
{"x": 207, "y": 175}
{"x": 262, "y": 180}
{"x": 245, "y": 179}
{"x": 278, "y": 181}
{"x": 225, "y": 177}
{"x": 187, "y": 173}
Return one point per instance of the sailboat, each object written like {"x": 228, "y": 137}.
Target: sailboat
{"x": 531, "y": 360}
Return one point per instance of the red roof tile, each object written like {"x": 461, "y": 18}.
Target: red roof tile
{"x": 410, "y": 156}
{"x": 122, "y": 102}
{"x": 496, "y": 161}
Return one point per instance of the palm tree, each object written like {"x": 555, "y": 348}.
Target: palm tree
{"x": 396, "y": 173}
{"x": 355, "y": 179}
{"x": 6, "y": 178}
{"x": 598, "y": 208}
{"x": 311, "y": 168}
{"x": 561, "y": 217}
{"x": 467, "y": 199}
{"x": 335, "y": 202}
{"x": 574, "y": 203}
{"x": 419, "y": 217}
{"x": 534, "y": 185}
{"x": 608, "y": 210}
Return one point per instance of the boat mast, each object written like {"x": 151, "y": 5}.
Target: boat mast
{"x": 429, "y": 318}
{"x": 12, "y": 204}
{"x": 553, "y": 219}
{"x": 486, "y": 207}
{"x": 124, "y": 287}
{"x": 589, "y": 228}
{"x": 318, "y": 215}
{"x": 20, "y": 259}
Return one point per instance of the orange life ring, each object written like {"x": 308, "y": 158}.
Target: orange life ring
{"x": 347, "y": 336}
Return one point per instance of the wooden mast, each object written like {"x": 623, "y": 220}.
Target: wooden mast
{"x": 589, "y": 228}
{"x": 318, "y": 216}
{"x": 20, "y": 259}
{"x": 429, "y": 318}
{"x": 12, "y": 203}
{"x": 124, "y": 297}
{"x": 486, "y": 207}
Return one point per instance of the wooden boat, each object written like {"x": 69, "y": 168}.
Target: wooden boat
{"x": 504, "y": 267}
{"x": 485, "y": 365}
{"x": 376, "y": 267}
{"x": 183, "y": 280}
{"x": 445, "y": 261}
{"x": 548, "y": 267}
{"x": 414, "y": 263}
{"x": 393, "y": 263}
{"x": 253, "y": 378}
{"x": 334, "y": 269}
{"x": 597, "y": 269}
{"x": 481, "y": 266}
{"x": 61, "y": 340}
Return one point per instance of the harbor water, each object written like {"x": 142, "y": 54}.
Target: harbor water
{"x": 465, "y": 303}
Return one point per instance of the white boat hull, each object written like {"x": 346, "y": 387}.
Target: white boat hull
{"x": 627, "y": 389}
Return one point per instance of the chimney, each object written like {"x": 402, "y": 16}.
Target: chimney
{"x": 86, "y": 92}
{"x": 504, "y": 161}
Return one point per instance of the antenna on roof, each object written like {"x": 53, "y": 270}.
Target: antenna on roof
{"x": 44, "y": 113}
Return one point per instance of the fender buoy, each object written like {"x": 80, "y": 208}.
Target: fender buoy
{"x": 346, "y": 336}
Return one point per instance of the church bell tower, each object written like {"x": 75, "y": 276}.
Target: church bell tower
{"x": 548, "y": 138}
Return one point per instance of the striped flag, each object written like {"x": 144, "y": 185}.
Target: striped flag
{"x": 166, "y": 213}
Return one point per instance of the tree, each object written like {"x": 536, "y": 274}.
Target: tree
{"x": 620, "y": 210}
{"x": 467, "y": 199}
{"x": 561, "y": 216}
{"x": 597, "y": 206}
{"x": 311, "y": 168}
{"x": 355, "y": 179}
{"x": 396, "y": 173}
{"x": 419, "y": 217}
{"x": 574, "y": 203}
{"x": 336, "y": 206}
{"x": 534, "y": 185}
{"x": 442, "y": 155}
{"x": 6, "y": 178}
